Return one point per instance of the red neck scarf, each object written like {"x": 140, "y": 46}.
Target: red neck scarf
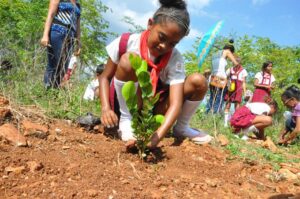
{"x": 156, "y": 68}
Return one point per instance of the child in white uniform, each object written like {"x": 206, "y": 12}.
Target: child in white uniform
{"x": 156, "y": 45}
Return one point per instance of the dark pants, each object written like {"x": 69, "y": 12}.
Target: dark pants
{"x": 216, "y": 100}
{"x": 290, "y": 124}
{"x": 59, "y": 55}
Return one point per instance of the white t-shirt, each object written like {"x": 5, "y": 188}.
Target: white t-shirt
{"x": 89, "y": 93}
{"x": 219, "y": 64}
{"x": 173, "y": 73}
{"x": 240, "y": 76}
{"x": 73, "y": 60}
{"x": 259, "y": 76}
{"x": 258, "y": 108}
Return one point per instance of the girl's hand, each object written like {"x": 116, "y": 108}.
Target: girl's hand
{"x": 283, "y": 134}
{"x": 45, "y": 41}
{"x": 109, "y": 118}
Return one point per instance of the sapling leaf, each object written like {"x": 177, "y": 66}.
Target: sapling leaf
{"x": 154, "y": 99}
{"x": 159, "y": 119}
{"x": 147, "y": 91}
{"x": 143, "y": 78}
{"x": 128, "y": 91}
{"x": 144, "y": 66}
{"x": 143, "y": 121}
{"x": 135, "y": 61}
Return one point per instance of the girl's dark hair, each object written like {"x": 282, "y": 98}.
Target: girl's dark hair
{"x": 229, "y": 46}
{"x": 271, "y": 102}
{"x": 265, "y": 65}
{"x": 174, "y": 10}
{"x": 274, "y": 104}
{"x": 292, "y": 92}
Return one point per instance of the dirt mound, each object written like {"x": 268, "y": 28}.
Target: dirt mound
{"x": 72, "y": 163}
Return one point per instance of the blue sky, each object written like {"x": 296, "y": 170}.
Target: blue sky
{"x": 275, "y": 19}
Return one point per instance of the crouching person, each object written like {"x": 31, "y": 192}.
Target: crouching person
{"x": 182, "y": 95}
{"x": 253, "y": 117}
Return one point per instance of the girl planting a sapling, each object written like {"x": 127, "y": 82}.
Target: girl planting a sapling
{"x": 180, "y": 96}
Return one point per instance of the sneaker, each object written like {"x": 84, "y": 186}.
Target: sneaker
{"x": 195, "y": 135}
{"x": 244, "y": 137}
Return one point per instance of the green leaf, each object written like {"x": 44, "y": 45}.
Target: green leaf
{"x": 154, "y": 99}
{"x": 147, "y": 91}
{"x": 135, "y": 61}
{"x": 159, "y": 119}
{"x": 143, "y": 78}
{"x": 144, "y": 65}
{"x": 129, "y": 91}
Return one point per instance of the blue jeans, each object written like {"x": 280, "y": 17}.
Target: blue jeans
{"x": 59, "y": 54}
{"x": 290, "y": 124}
{"x": 216, "y": 100}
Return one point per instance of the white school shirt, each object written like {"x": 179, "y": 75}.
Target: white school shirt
{"x": 89, "y": 93}
{"x": 240, "y": 77}
{"x": 173, "y": 73}
{"x": 258, "y": 108}
{"x": 219, "y": 64}
{"x": 259, "y": 76}
{"x": 73, "y": 60}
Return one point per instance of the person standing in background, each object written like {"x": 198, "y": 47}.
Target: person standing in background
{"x": 264, "y": 82}
{"x": 218, "y": 79}
{"x": 73, "y": 63}
{"x": 61, "y": 33}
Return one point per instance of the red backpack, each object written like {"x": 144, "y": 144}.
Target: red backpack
{"x": 112, "y": 93}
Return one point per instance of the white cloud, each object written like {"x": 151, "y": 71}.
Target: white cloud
{"x": 133, "y": 9}
{"x": 260, "y": 2}
{"x": 194, "y": 33}
{"x": 195, "y": 6}
{"x": 140, "y": 11}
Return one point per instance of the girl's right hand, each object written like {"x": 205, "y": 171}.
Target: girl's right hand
{"x": 45, "y": 41}
{"x": 109, "y": 118}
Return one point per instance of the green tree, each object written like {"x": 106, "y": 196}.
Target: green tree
{"x": 22, "y": 23}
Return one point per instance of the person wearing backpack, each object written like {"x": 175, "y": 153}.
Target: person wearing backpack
{"x": 156, "y": 45}
{"x": 236, "y": 87}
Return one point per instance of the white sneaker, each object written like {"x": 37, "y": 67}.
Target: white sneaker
{"x": 244, "y": 137}
{"x": 196, "y": 136}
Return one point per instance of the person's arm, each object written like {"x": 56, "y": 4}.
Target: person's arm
{"x": 282, "y": 135}
{"x": 53, "y": 6}
{"x": 108, "y": 116}
{"x": 176, "y": 101}
{"x": 292, "y": 136}
{"x": 228, "y": 53}
{"x": 257, "y": 85}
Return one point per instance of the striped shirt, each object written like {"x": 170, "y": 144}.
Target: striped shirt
{"x": 66, "y": 17}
